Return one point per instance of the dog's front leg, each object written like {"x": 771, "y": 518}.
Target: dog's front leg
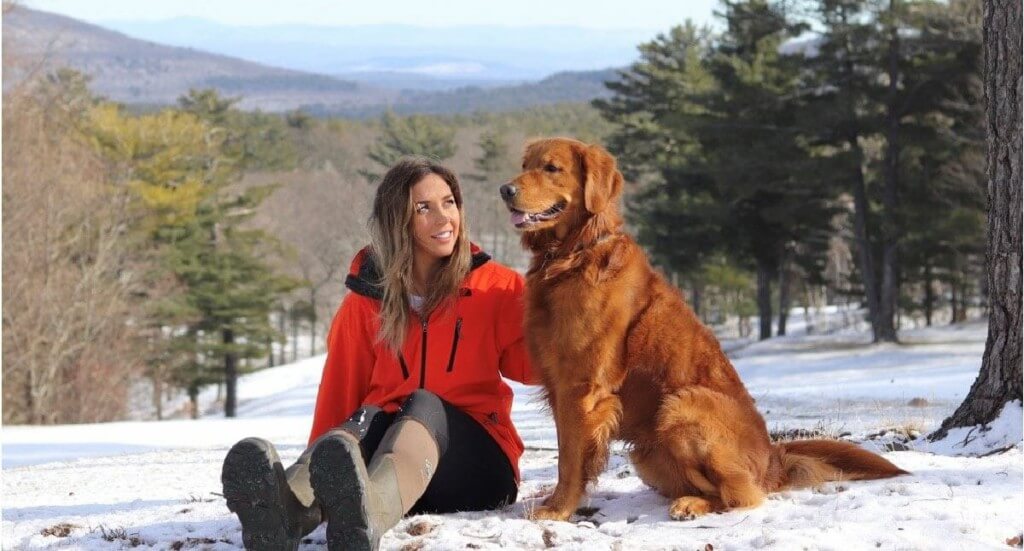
{"x": 586, "y": 418}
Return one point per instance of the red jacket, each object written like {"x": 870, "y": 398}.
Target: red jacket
{"x": 459, "y": 354}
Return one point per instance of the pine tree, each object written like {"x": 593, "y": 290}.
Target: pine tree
{"x": 491, "y": 227}
{"x": 897, "y": 75}
{"x": 223, "y": 263}
{"x": 230, "y": 288}
{"x": 677, "y": 212}
{"x": 215, "y": 285}
{"x": 411, "y": 135}
{"x": 751, "y": 135}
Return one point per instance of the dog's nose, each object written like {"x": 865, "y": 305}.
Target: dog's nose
{"x": 508, "y": 191}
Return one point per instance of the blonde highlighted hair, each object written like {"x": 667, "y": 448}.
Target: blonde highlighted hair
{"x": 392, "y": 245}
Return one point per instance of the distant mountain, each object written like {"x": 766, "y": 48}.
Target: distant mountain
{"x": 567, "y": 87}
{"x": 477, "y": 52}
{"x": 134, "y": 71}
{"x": 399, "y": 80}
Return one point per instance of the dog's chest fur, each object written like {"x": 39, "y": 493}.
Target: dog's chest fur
{"x": 570, "y": 318}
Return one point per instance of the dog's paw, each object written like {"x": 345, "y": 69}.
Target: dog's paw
{"x": 548, "y": 513}
{"x": 689, "y": 508}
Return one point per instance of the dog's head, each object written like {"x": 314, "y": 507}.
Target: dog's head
{"x": 564, "y": 183}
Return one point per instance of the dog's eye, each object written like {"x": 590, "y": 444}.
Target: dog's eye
{"x": 550, "y": 168}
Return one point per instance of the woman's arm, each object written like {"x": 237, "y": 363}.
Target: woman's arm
{"x": 514, "y": 362}
{"x": 350, "y": 357}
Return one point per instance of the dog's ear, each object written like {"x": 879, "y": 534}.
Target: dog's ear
{"x": 602, "y": 181}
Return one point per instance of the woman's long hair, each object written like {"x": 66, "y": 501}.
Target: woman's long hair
{"x": 392, "y": 245}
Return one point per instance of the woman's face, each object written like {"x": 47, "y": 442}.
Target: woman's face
{"x": 435, "y": 218}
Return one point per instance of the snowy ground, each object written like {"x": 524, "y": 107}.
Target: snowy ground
{"x": 155, "y": 484}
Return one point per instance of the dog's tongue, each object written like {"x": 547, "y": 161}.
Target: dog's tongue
{"x": 518, "y": 217}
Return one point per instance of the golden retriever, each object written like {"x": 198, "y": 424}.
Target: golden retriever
{"x": 622, "y": 356}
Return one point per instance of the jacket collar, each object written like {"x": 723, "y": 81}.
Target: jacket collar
{"x": 364, "y": 278}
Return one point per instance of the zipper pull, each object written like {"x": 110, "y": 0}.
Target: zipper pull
{"x": 455, "y": 344}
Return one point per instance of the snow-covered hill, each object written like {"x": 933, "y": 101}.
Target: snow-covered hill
{"x": 156, "y": 484}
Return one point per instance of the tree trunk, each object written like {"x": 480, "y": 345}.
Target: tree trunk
{"x": 929, "y": 295}
{"x": 783, "y": 294}
{"x": 158, "y": 396}
{"x": 1000, "y": 378}
{"x": 954, "y": 303}
{"x": 193, "y": 401}
{"x": 808, "y": 299}
{"x": 764, "y": 299}
{"x": 965, "y": 297}
{"x": 295, "y": 337}
{"x": 230, "y": 374}
{"x": 270, "y": 352}
{"x": 865, "y": 254}
{"x": 861, "y": 206}
{"x": 282, "y": 318}
{"x": 312, "y": 323}
{"x": 696, "y": 301}
{"x": 890, "y": 287}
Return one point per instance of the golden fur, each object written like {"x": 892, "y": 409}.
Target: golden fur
{"x": 622, "y": 356}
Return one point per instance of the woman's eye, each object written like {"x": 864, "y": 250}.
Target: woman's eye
{"x": 421, "y": 209}
{"x": 550, "y": 168}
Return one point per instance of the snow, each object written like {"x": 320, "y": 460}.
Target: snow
{"x": 155, "y": 484}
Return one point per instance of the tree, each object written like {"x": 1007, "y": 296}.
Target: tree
{"x": 68, "y": 274}
{"x": 230, "y": 286}
{"x": 190, "y": 216}
{"x": 490, "y": 223}
{"x": 412, "y": 135}
{"x": 890, "y": 105}
{"x": 161, "y": 160}
{"x": 749, "y": 130}
{"x": 1000, "y": 378}
{"x": 223, "y": 264}
{"x": 677, "y": 212}
{"x": 942, "y": 169}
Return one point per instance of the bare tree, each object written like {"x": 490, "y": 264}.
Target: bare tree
{"x": 320, "y": 214}
{"x": 1000, "y": 378}
{"x": 68, "y": 345}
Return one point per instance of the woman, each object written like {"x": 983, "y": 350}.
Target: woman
{"x": 412, "y": 414}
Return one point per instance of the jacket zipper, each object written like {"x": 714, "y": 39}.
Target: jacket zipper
{"x": 455, "y": 344}
{"x": 423, "y": 355}
{"x": 405, "y": 368}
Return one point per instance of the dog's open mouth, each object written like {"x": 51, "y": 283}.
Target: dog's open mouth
{"x": 522, "y": 219}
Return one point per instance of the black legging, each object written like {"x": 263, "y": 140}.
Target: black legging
{"x": 473, "y": 473}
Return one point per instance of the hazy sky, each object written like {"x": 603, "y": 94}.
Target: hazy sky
{"x": 600, "y": 14}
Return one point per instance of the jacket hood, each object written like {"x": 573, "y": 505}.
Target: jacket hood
{"x": 364, "y": 275}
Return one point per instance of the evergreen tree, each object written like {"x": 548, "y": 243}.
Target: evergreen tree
{"x": 230, "y": 288}
{"x": 222, "y": 263}
{"x": 896, "y": 74}
{"x": 211, "y": 287}
{"x": 750, "y": 134}
{"x": 250, "y": 140}
{"x": 412, "y": 135}
{"x": 677, "y": 212}
{"x": 491, "y": 226}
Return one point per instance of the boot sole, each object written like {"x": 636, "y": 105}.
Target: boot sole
{"x": 339, "y": 481}
{"x": 252, "y": 489}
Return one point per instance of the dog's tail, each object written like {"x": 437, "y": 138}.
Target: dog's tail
{"x": 811, "y": 462}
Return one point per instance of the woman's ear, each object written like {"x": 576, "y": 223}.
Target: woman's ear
{"x": 602, "y": 181}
